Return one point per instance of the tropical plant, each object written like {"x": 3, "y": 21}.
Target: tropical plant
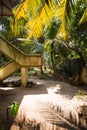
{"x": 55, "y": 47}
{"x": 77, "y": 40}
{"x": 32, "y": 47}
{"x": 14, "y": 108}
{"x": 77, "y": 33}
{"x": 38, "y": 14}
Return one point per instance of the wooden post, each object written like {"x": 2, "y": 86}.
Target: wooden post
{"x": 24, "y": 76}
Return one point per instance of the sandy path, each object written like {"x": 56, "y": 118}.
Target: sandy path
{"x": 36, "y": 103}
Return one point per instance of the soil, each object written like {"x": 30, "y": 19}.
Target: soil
{"x": 11, "y": 90}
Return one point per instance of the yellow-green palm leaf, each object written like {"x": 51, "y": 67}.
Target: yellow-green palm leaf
{"x": 84, "y": 17}
{"x": 39, "y": 14}
{"x": 36, "y": 25}
{"x": 45, "y": 15}
{"x": 26, "y": 8}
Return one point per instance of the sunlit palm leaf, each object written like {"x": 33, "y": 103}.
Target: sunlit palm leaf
{"x": 37, "y": 24}
{"x": 45, "y": 15}
{"x": 27, "y": 8}
{"x": 62, "y": 16}
{"x": 55, "y": 9}
{"x": 65, "y": 8}
{"x": 40, "y": 12}
{"x": 84, "y": 17}
{"x": 19, "y": 11}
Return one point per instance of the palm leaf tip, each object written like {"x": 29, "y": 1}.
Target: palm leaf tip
{"x": 83, "y": 18}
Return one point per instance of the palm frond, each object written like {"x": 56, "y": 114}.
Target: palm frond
{"x": 83, "y": 18}
{"x": 40, "y": 12}
{"x": 65, "y": 8}
{"x": 58, "y": 9}
{"x": 27, "y": 8}
{"x": 36, "y": 25}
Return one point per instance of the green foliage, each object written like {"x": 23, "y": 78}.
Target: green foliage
{"x": 15, "y": 2}
{"x": 78, "y": 33}
{"x": 81, "y": 94}
{"x": 55, "y": 50}
{"x": 5, "y": 23}
{"x": 55, "y": 54}
{"x": 14, "y": 108}
{"x": 52, "y": 28}
{"x": 31, "y": 47}
{"x": 34, "y": 19}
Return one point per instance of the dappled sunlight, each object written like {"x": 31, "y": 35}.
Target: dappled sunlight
{"x": 38, "y": 82}
{"x": 1, "y": 73}
{"x": 46, "y": 106}
{"x": 53, "y": 90}
{"x": 34, "y": 110}
{"x": 43, "y": 110}
{"x": 53, "y": 110}
{"x": 6, "y": 88}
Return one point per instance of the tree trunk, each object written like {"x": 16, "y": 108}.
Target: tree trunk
{"x": 81, "y": 78}
{"x": 52, "y": 57}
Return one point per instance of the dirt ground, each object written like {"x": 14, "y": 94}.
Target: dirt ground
{"x": 34, "y": 101}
